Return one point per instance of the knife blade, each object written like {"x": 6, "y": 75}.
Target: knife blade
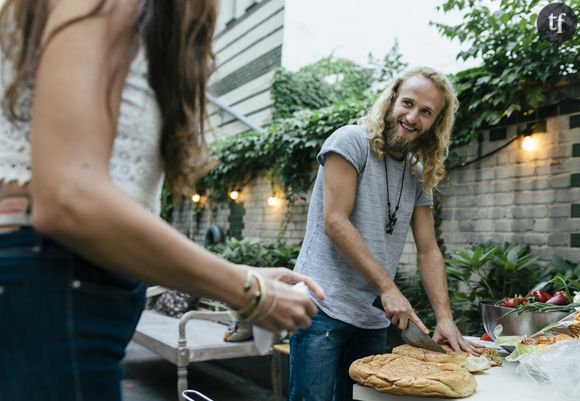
{"x": 413, "y": 335}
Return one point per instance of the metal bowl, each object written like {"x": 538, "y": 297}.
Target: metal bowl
{"x": 524, "y": 324}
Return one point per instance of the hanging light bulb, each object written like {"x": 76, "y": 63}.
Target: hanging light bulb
{"x": 234, "y": 195}
{"x": 529, "y": 144}
{"x": 273, "y": 201}
{"x": 196, "y": 198}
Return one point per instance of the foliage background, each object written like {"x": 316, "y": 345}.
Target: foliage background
{"x": 517, "y": 71}
{"x": 258, "y": 253}
{"x": 518, "y": 68}
{"x": 487, "y": 272}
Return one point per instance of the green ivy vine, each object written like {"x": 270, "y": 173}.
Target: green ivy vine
{"x": 318, "y": 85}
{"x": 518, "y": 69}
{"x": 287, "y": 149}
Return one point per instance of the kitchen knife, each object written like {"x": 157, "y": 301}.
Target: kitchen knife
{"x": 413, "y": 335}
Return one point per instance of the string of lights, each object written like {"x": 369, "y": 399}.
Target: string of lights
{"x": 531, "y": 128}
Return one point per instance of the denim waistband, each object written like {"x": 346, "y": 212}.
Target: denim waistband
{"x": 27, "y": 240}
{"x": 26, "y": 243}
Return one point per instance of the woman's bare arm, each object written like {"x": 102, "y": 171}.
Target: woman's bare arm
{"x": 74, "y": 200}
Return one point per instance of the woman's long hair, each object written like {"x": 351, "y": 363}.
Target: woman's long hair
{"x": 434, "y": 146}
{"x": 177, "y": 35}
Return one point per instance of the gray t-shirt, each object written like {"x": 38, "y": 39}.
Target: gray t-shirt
{"x": 349, "y": 296}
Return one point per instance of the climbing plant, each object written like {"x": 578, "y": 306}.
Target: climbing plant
{"x": 287, "y": 149}
{"x": 241, "y": 157}
{"x": 318, "y": 85}
{"x": 518, "y": 66}
{"x": 387, "y": 69}
{"x": 167, "y": 205}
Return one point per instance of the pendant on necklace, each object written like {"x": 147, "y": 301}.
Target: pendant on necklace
{"x": 391, "y": 223}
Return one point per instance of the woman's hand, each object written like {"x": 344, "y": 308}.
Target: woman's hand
{"x": 290, "y": 309}
{"x": 289, "y": 277}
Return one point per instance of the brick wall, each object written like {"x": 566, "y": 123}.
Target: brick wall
{"x": 272, "y": 222}
{"x": 519, "y": 196}
{"x": 259, "y": 220}
{"x": 194, "y": 225}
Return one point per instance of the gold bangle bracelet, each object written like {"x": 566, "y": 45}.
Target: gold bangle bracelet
{"x": 248, "y": 281}
{"x": 260, "y": 302}
{"x": 270, "y": 309}
{"x": 249, "y": 307}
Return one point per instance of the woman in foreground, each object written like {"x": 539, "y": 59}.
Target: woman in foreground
{"x": 103, "y": 99}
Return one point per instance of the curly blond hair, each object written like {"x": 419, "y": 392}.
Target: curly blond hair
{"x": 434, "y": 148}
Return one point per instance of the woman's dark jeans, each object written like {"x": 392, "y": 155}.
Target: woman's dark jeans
{"x": 64, "y": 323}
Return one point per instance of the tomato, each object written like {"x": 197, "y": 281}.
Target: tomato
{"x": 513, "y": 302}
{"x": 508, "y": 303}
{"x": 539, "y": 296}
{"x": 485, "y": 337}
{"x": 558, "y": 298}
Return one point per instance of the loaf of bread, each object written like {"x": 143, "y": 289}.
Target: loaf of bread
{"x": 469, "y": 362}
{"x": 493, "y": 356}
{"x": 546, "y": 340}
{"x": 403, "y": 375}
{"x": 488, "y": 358}
{"x": 575, "y": 326}
{"x": 431, "y": 356}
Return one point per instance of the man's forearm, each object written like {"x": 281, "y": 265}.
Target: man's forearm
{"x": 432, "y": 271}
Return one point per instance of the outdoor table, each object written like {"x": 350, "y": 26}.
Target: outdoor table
{"x": 494, "y": 384}
{"x": 497, "y": 383}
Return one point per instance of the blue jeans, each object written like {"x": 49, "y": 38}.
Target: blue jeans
{"x": 321, "y": 355}
{"x": 64, "y": 323}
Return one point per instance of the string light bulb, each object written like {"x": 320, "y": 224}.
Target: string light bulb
{"x": 529, "y": 144}
{"x": 234, "y": 195}
{"x": 273, "y": 201}
{"x": 196, "y": 198}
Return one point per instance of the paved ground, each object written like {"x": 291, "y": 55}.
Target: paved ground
{"x": 151, "y": 378}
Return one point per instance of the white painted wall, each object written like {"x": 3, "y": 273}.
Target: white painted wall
{"x": 240, "y": 39}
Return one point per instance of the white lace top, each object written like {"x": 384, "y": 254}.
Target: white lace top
{"x": 136, "y": 165}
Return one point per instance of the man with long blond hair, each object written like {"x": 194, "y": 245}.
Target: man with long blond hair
{"x": 375, "y": 181}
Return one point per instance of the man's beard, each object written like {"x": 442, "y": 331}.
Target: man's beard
{"x": 398, "y": 143}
